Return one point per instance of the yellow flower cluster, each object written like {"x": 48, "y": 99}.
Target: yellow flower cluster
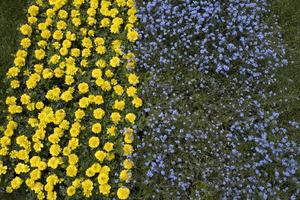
{"x": 72, "y": 101}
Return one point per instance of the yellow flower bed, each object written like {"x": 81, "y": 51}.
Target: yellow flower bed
{"x": 72, "y": 101}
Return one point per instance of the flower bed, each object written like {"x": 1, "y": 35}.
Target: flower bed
{"x": 72, "y": 101}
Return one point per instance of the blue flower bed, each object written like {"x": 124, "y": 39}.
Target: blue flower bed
{"x": 213, "y": 126}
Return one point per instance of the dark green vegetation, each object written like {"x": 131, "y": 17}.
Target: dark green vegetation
{"x": 289, "y": 77}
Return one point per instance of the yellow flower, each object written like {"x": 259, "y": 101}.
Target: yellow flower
{"x": 50, "y": 12}
{"x": 100, "y": 155}
{"x": 67, "y": 96}
{"x": 55, "y": 150}
{"x": 128, "y": 164}
{"x": 69, "y": 80}
{"x": 98, "y": 99}
{"x": 124, "y": 175}
{"x": 118, "y": 90}
{"x": 75, "y": 52}
{"x": 79, "y": 114}
{"x": 26, "y": 29}
{"x": 62, "y": 14}
{"x": 25, "y": 43}
{"x": 132, "y": 35}
{"x": 71, "y": 171}
{"x": 16, "y": 182}
{"x": 63, "y": 51}
{"x": 84, "y": 102}
{"x": 97, "y": 73}
{"x": 130, "y": 117}
{"x": 33, "y": 10}
{"x": 35, "y": 174}
{"x": 61, "y": 25}
{"x": 99, "y": 41}
{"x": 76, "y": 21}
{"x": 104, "y": 189}
{"x": 9, "y": 189}
{"x": 99, "y": 113}
{"x": 87, "y": 187}
{"x": 123, "y": 192}
{"x": 76, "y": 183}
{"x": 127, "y": 149}
{"x": 15, "y": 84}
{"x": 83, "y": 88}
{"x": 115, "y": 61}
{"x": 103, "y": 178}
{"x": 71, "y": 190}
{"x": 13, "y": 72}
{"x": 101, "y": 50}
{"x": 115, "y": 117}
{"x": 137, "y": 102}
{"x": 39, "y": 105}
{"x": 25, "y": 99}
{"x": 108, "y": 146}
{"x": 46, "y": 34}
{"x": 94, "y": 142}
{"x": 3, "y": 169}
{"x": 133, "y": 79}
{"x": 87, "y": 43}
{"x": 119, "y": 105}
{"x": 21, "y": 168}
{"x": 73, "y": 159}
{"x": 111, "y": 130}
{"x": 58, "y": 35}
{"x": 109, "y": 73}
{"x": 53, "y": 162}
{"x": 53, "y": 94}
{"x": 19, "y": 61}
{"x": 101, "y": 63}
{"x": 105, "y": 22}
{"x": 39, "y": 54}
{"x": 96, "y": 128}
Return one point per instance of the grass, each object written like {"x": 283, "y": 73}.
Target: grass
{"x": 289, "y": 77}
{"x": 12, "y": 13}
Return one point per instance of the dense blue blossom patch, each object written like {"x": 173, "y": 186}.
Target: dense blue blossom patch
{"x": 213, "y": 125}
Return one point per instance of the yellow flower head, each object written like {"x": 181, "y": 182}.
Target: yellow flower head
{"x": 83, "y": 88}
{"x": 96, "y": 128}
{"x": 123, "y": 192}
{"x": 94, "y": 142}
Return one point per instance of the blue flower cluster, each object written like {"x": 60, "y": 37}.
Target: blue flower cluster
{"x": 214, "y": 35}
{"x": 213, "y": 126}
